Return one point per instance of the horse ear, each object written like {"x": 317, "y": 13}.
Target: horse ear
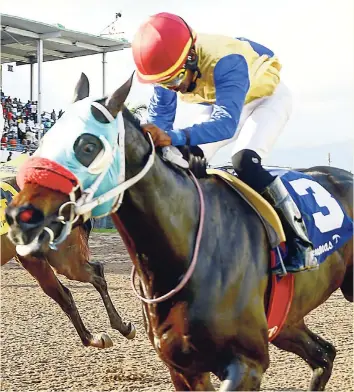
{"x": 116, "y": 101}
{"x": 82, "y": 89}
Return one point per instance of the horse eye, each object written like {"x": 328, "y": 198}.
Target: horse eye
{"x": 86, "y": 148}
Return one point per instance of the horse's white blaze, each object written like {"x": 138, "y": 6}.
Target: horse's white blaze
{"x": 334, "y": 219}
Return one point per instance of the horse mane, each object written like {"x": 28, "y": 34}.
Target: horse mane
{"x": 192, "y": 154}
{"x": 99, "y": 116}
{"x": 132, "y": 118}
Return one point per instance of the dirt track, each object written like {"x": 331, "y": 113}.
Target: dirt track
{"x": 40, "y": 349}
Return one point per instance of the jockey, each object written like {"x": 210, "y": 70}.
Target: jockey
{"x": 238, "y": 82}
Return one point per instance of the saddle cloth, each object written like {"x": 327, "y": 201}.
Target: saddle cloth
{"x": 328, "y": 225}
{"x": 8, "y": 172}
{"x": 7, "y": 193}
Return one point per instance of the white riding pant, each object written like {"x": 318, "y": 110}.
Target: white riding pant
{"x": 261, "y": 123}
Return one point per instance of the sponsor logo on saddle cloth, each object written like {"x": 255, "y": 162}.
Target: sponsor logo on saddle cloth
{"x": 11, "y": 168}
{"x": 328, "y": 225}
{"x": 58, "y": 146}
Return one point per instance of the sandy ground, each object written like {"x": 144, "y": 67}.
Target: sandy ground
{"x": 40, "y": 350}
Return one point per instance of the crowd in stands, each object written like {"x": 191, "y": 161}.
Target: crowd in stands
{"x": 21, "y": 131}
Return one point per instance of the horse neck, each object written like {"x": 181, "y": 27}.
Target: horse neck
{"x": 161, "y": 211}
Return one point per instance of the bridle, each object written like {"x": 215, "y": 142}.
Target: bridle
{"x": 83, "y": 204}
{"x": 86, "y": 202}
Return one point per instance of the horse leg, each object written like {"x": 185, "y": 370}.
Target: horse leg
{"x": 8, "y": 250}
{"x": 100, "y": 284}
{"x": 317, "y": 352}
{"x": 242, "y": 374}
{"x": 71, "y": 260}
{"x": 186, "y": 382}
{"x": 43, "y": 273}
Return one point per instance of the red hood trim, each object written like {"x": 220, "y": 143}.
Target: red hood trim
{"x": 47, "y": 173}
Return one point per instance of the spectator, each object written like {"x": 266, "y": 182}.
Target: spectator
{"x": 4, "y": 141}
{"x": 34, "y": 111}
{"x": 40, "y": 132}
{"x": 19, "y": 126}
{"x": 30, "y": 124}
{"x": 30, "y": 136}
{"x": 47, "y": 125}
{"x": 21, "y": 130}
{"x": 13, "y": 133}
{"x": 14, "y": 106}
{"x": 2, "y": 120}
{"x": 53, "y": 116}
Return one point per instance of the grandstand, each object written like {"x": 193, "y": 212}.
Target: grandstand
{"x": 21, "y": 128}
{"x": 26, "y": 42}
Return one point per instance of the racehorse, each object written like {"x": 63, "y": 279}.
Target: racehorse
{"x": 217, "y": 322}
{"x": 72, "y": 261}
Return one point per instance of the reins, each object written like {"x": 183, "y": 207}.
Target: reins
{"x": 192, "y": 265}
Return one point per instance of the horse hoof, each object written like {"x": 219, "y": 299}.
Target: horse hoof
{"x": 132, "y": 332}
{"x": 106, "y": 341}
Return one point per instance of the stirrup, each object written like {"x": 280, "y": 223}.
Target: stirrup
{"x": 277, "y": 194}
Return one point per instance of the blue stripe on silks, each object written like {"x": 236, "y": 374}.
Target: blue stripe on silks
{"x": 260, "y": 49}
{"x": 162, "y": 108}
{"x": 231, "y": 86}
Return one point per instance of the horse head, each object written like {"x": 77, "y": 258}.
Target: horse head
{"x": 71, "y": 176}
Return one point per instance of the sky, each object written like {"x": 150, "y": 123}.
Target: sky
{"x": 314, "y": 40}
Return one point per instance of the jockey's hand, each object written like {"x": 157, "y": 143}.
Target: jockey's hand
{"x": 160, "y": 137}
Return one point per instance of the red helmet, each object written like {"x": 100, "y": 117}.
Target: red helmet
{"x": 161, "y": 46}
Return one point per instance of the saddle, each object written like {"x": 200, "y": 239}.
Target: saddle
{"x": 198, "y": 165}
{"x": 262, "y": 208}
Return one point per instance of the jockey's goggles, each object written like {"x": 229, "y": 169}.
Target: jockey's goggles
{"x": 175, "y": 81}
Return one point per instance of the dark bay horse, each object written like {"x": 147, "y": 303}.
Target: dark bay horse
{"x": 72, "y": 261}
{"x": 217, "y": 322}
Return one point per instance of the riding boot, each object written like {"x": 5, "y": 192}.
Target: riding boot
{"x": 300, "y": 247}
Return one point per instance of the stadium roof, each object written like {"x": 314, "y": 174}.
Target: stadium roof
{"x": 19, "y": 39}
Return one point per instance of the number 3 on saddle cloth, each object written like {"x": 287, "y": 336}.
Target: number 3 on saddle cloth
{"x": 328, "y": 228}
{"x": 327, "y": 224}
